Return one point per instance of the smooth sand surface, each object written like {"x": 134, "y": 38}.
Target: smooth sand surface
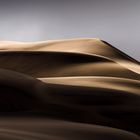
{"x": 78, "y": 89}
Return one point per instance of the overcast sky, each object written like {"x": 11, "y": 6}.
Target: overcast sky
{"x": 115, "y": 21}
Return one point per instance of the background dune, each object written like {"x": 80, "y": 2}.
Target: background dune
{"x": 68, "y": 89}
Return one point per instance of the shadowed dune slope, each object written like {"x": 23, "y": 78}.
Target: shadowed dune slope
{"x": 56, "y": 64}
{"x": 81, "y": 89}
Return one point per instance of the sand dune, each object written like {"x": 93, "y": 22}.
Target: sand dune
{"x": 68, "y": 89}
{"x": 48, "y": 129}
{"x": 98, "y": 82}
{"x": 88, "y": 46}
{"x": 52, "y": 64}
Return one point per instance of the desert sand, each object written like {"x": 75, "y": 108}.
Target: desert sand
{"x": 76, "y": 89}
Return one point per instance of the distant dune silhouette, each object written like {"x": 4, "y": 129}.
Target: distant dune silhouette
{"x": 77, "y": 89}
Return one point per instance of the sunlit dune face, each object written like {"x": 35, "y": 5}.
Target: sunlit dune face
{"x": 111, "y": 83}
{"x": 85, "y": 46}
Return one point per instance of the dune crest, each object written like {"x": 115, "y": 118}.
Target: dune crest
{"x": 86, "y": 46}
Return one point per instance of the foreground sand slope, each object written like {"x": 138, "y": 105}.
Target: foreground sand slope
{"x": 68, "y": 89}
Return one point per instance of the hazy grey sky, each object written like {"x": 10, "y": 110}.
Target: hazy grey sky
{"x": 115, "y": 21}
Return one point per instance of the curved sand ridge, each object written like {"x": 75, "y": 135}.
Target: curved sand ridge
{"x": 88, "y": 46}
{"x": 68, "y": 89}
